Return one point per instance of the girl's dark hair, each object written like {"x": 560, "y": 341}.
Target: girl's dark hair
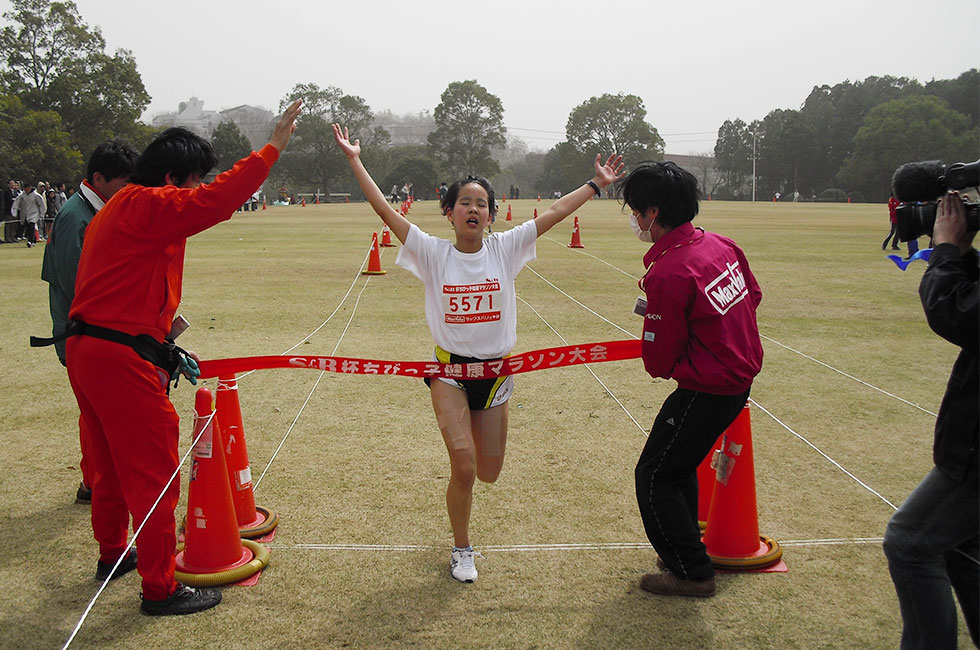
{"x": 449, "y": 198}
{"x": 176, "y": 151}
{"x": 662, "y": 185}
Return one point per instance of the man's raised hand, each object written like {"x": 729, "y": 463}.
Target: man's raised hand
{"x": 285, "y": 126}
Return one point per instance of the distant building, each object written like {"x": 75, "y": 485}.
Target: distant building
{"x": 255, "y": 123}
{"x": 703, "y": 168}
{"x": 408, "y": 129}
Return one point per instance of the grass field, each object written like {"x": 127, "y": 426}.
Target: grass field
{"x": 360, "y": 558}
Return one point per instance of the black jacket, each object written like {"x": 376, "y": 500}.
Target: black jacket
{"x": 949, "y": 293}
{"x": 8, "y": 197}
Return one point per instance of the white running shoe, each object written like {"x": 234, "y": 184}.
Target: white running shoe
{"x": 461, "y": 565}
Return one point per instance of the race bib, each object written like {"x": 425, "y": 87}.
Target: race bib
{"x": 471, "y": 303}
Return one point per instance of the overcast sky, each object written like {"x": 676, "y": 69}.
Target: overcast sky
{"x": 694, "y": 64}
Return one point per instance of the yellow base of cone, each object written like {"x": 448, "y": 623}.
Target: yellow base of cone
{"x": 265, "y": 522}
{"x": 258, "y": 559}
{"x": 768, "y": 553}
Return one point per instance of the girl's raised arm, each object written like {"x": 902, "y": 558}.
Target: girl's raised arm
{"x": 395, "y": 220}
{"x": 605, "y": 174}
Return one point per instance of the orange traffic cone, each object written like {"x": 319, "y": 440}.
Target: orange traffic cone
{"x": 213, "y": 553}
{"x": 386, "y": 237}
{"x": 576, "y": 237}
{"x": 304, "y": 201}
{"x": 509, "y": 217}
{"x": 732, "y": 534}
{"x": 263, "y": 203}
{"x": 374, "y": 261}
{"x": 347, "y": 199}
{"x": 316, "y": 199}
{"x": 253, "y": 521}
{"x": 535, "y": 213}
{"x": 539, "y": 197}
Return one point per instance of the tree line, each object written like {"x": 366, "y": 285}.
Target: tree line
{"x": 846, "y": 140}
{"x": 61, "y": 94}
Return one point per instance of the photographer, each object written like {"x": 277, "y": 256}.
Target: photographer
{"x": 933, "y": 541}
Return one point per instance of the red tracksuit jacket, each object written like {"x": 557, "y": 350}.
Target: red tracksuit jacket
{"x": 132, "y": 265}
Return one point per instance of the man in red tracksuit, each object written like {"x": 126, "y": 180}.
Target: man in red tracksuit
{"x": 126, "y": 295}
{"x": 699, "y": 329}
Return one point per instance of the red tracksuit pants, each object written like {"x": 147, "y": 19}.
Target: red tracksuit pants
{"x": 131, "y": 435}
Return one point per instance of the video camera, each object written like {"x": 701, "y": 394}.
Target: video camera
{"x": 918, "y": 184}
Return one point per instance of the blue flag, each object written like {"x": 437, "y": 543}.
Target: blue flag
{"x": 922, "y": 254}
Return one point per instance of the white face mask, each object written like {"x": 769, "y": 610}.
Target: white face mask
{"x": 642, "y": 235}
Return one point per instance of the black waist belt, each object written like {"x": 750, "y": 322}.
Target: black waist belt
{"x": 163, "y": 355}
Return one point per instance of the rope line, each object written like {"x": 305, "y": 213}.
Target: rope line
{"x": 802, "y": 354}
{"x": 860, "y": 381}
{"x": 764, "y": 410}
{"x": 587, "y": 366}
{"x": 598, "y": 259}
{"x": 514, "y": 547}
{"x": 302, "y": 408}
{"x": 132, "y": 541}
{"x": 819, "y": 451}
{"x": 332, "y": 314}
{"x": 538, "y": 548}
{"x": 580, "y": 304}
{"x": 183, "y": 460}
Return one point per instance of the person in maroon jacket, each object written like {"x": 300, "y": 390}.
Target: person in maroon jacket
{"x": 893, "y": 220}
{"x": 699, "y": 329}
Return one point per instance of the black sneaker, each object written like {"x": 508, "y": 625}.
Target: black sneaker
{"x": 186, "y": 600}
{"x": 84, "y": 493}
{"x": 127, "y": 565}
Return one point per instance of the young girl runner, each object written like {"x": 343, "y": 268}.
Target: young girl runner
{"x": 471, "y": 309}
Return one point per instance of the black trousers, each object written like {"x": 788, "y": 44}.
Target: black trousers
{"x": 11, "y": 228}
{"x": 684, "y": 432}
{"x": 893, "y": 235}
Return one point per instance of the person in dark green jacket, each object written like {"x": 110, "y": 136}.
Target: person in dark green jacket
{"x": 108, "y": 171}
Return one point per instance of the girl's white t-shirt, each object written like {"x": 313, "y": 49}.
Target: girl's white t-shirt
{"x": 470, "y": 302}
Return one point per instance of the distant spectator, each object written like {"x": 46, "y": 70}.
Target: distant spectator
{"x": 50, "y": 213}
{"x": 60, "y": 196}
{"x": 10, "y": 225}
{"x": 29, "y": 209}
{"x": 893, "y": 233}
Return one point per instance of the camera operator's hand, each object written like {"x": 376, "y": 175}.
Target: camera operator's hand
{"x": 950, "y": 227}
